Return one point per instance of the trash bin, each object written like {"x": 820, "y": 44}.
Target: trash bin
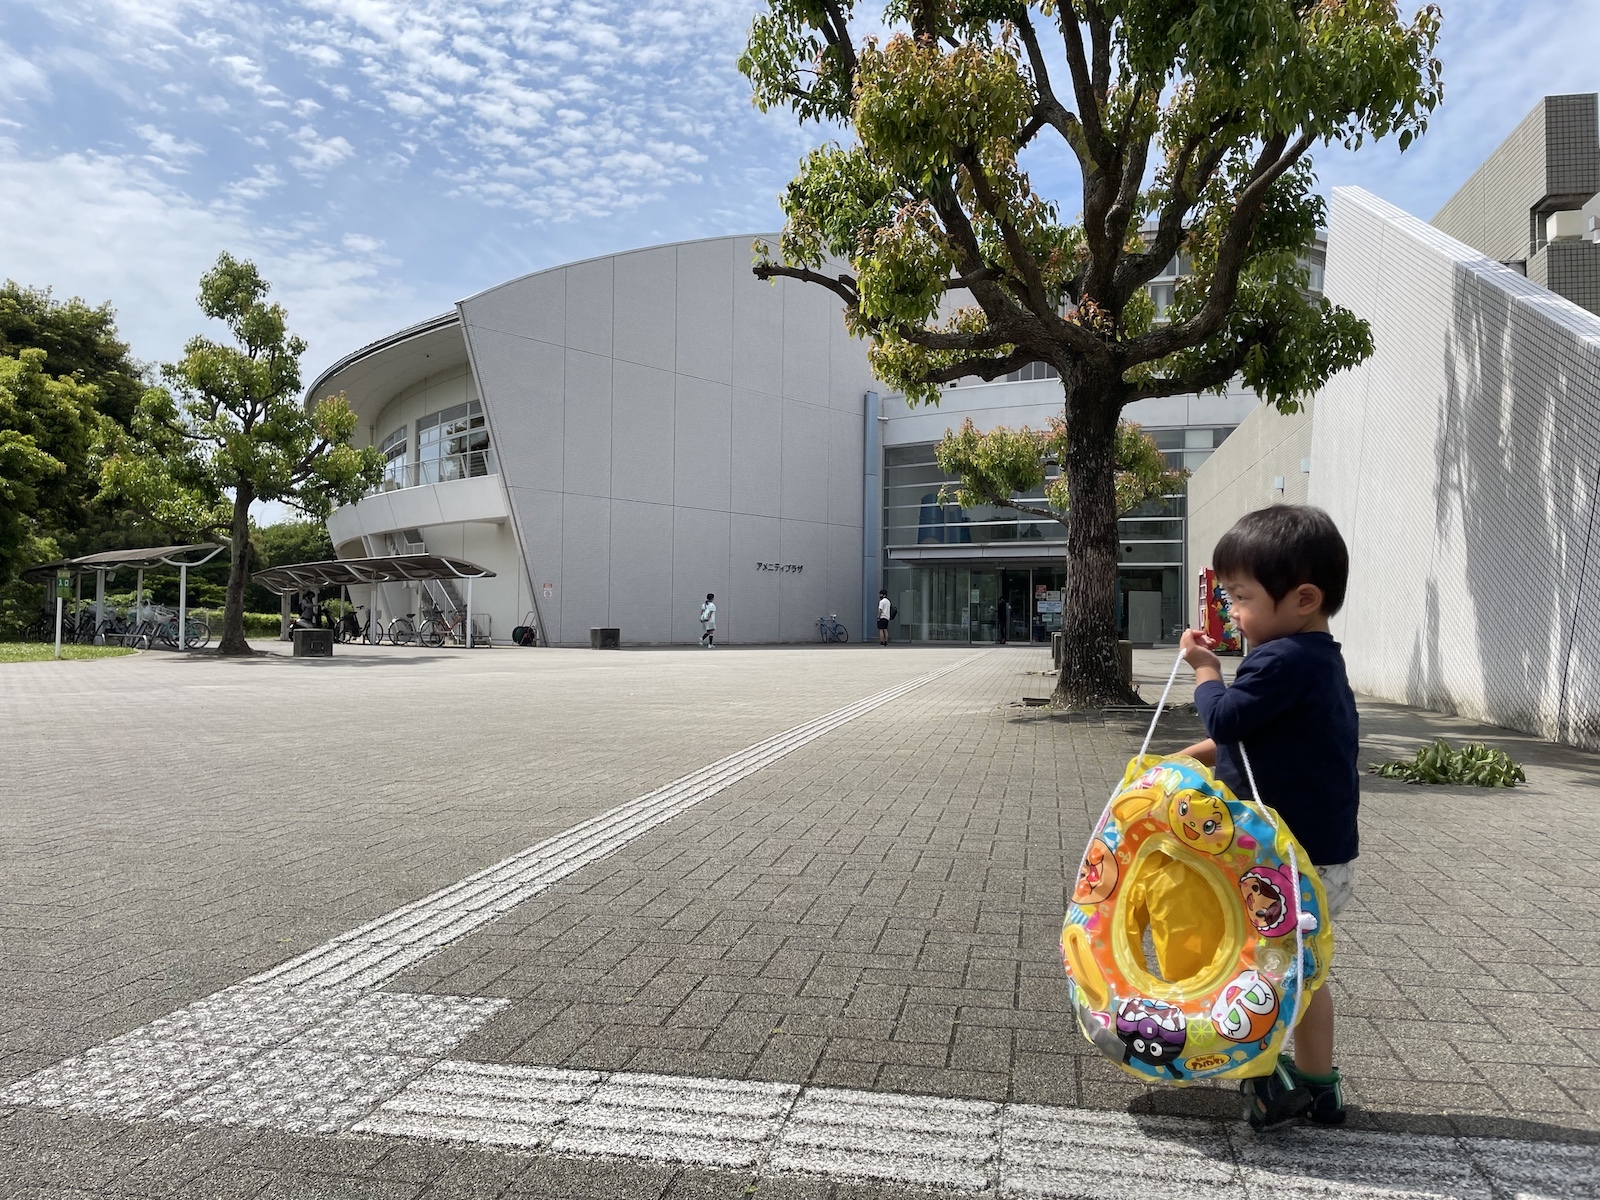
{"x": 1058, "y": 648}
{"x": 605, "y": 639}
{"x": 313, "y": 643}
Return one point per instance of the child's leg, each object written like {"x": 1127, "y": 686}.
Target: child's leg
{"x": 1313, "y": 1037}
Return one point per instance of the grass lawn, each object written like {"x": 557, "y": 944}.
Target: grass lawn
{"x": 11, "y": 652}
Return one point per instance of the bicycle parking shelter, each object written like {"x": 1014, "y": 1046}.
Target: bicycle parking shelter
{"x": 389, "y": 568}
{"x": 108, "y": 562}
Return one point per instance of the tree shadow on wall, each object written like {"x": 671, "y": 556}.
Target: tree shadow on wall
{"x": 1516, "y": 458}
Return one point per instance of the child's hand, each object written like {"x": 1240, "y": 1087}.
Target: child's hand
{"x": 1196, "y": 648}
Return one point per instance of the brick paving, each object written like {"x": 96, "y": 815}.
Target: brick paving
{"x": 876, "y": 911}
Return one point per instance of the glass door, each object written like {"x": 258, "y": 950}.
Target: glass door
{"x": 984, "y": 596}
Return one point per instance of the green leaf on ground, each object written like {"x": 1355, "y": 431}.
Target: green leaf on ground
{"x": 1475, "y": 763}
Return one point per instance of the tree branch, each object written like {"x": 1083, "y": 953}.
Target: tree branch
{"x": 843, "y": 286}
{"x": 1270, "y": 165}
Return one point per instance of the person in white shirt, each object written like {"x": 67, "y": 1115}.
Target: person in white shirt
{"x": 885, "y": 611}
{"x": 708, "y": 622}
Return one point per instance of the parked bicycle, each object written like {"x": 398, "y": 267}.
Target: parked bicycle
{"x": 366, "y": 629}
{"x": 402, "y": 630}
{"x": 831, "y": 630}
{"x": 196, "y": 632}
{"x": 438, "y": 627}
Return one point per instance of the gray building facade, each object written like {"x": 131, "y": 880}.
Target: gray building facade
{"x": 1534, "y": 204}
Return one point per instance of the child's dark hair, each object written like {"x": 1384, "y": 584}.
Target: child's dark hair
{"x": 1284, "y": 546}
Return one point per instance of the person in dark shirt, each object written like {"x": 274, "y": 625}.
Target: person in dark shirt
{"x": 1284, "y": 570}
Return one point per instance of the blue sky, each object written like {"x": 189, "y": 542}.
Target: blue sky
{"x": 380, "y": 160}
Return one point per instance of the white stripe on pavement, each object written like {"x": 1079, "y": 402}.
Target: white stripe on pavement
{"x": 970, "y": 1147}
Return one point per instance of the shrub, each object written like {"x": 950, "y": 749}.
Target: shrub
{"x": 1474, "y": 763}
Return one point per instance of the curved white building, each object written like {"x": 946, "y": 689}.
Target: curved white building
{"x": 618, "y": 437}
{"x": 615, "y": 438}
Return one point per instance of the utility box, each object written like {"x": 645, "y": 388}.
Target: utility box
{"x": 313, "y": 643}
{"x": 1125, "y": 660}
{"x": 605, "y": 639}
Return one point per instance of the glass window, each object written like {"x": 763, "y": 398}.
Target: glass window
{"x": 393, "y": 449}
{"x": 1162, "y": 295}
{"x": 1038, "y": 370}
{"x": 453, "y": 444}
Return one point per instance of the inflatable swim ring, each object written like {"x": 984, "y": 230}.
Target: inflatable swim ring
{"x": 1173, "y": 828}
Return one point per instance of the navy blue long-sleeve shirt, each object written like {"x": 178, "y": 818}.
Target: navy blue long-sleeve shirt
{"x": 1292, "y": 707}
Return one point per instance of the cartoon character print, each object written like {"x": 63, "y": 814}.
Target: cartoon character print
{"x": 1152, "y": 1031}
{"x": 1201, "y": 822}
{"x": 1246, "y": 1009}
{"x": 1097, "y": 874}
{"x": 1268, "y": 894}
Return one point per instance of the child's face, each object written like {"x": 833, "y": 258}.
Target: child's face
{"x": 1261, "y": 619}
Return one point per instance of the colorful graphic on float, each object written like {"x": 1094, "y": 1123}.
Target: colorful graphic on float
{"x": 1231, "y": 1020}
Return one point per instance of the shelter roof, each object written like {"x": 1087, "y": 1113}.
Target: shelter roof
{"x": 111, "y": 560}
{"x": 389, "y": 568}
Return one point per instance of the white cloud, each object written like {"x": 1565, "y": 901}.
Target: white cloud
{"x": 317, "y": 152}
{"x": 106, "y": 228}
{"x": 19, "y": 78}
{"x": 167, "y": 151}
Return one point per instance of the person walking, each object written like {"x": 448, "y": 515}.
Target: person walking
{"x": 1002, "y": 620}
{"x": 885, "y": 611}
{"x": 708, "y": 622}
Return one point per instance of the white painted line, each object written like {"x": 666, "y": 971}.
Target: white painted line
{"x": 1022, "y": 1151}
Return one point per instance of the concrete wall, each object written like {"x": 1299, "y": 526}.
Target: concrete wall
{"x": 1240, "y": 477}
{"x": 1462, "y": 462}
{"x": 665, "y": 425}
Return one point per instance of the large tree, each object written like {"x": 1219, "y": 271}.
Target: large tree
{"x": 1189, "y": 125}
{"x": 78, "y": 340}
{"x": 232, "y": 430}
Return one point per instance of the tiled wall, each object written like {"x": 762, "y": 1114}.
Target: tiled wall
{"x": 1462, "y": 462}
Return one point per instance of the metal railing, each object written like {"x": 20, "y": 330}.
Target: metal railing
{"x": 437, "y": 470}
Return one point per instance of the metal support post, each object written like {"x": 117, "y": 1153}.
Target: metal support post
{"x": 469, "y": 614}
{"x": 283, "y": 617}
{"x": 58, "y": 623}
{"x": 138, "y": 598}
{"x": 99, "y": 605}
{"x": 183, "y": 605}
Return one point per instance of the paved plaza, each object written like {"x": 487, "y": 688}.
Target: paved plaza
{"x": 767, "y": 922}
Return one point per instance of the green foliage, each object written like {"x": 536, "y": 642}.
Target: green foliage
{"x": 1227, "y": 98}
{"x": 46, "y": 429}
{"x": 1003, "y": 466}
{"x": 229, "y": 429}
{"x": 77, "y": 340}
{"x": 1475, "y": 763}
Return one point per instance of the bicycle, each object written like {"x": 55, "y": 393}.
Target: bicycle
{"x": 438, "y": 627}
{"x": 353, "y": 629}
{"x": 402, "y": 630}
{"x": 830, "y": 629}
{"x": 196, "y": 633}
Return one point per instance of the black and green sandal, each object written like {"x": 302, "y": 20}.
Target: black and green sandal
{"x": 1327, "y": 1096}
{"x": 1275, "y": 1099}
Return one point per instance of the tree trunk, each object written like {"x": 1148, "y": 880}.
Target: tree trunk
{"x": 233, "y": 639}
{"x": 1091, "y": 676}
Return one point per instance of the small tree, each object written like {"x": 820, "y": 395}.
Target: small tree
{"x": 1000, "y": 468}
{"x": 236, "y": 432}
{"x": 1189, "y": 125}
